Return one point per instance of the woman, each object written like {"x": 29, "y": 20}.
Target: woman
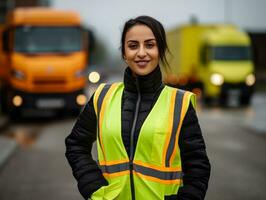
{"x": 149, "y": 142}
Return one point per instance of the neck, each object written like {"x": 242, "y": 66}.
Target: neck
{"x": 147, "y": 84}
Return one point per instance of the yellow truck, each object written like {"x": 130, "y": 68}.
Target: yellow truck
{"x": 43, "y": 56}
{"x": 214, "y": 61}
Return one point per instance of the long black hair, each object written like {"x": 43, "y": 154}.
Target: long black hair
{"x": 157, "y": 30}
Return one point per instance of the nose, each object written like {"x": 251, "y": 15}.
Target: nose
{"x": 142, "y": 51}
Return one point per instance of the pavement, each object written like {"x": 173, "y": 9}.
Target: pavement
{"x": 257, "y": 119}
{"x": 7, "y": 145}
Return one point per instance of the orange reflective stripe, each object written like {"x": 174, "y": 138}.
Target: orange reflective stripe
{"x": 107, "y": 175}
{"x": 170, "y": 126}
{"x": 176, "y": 181}
{"x": 113, "y": 162}
{"x": 183, "y": 112}
{"x": 102, "y": 112}
{"x": 96, "y": 97}
{"x": 161, "y": 175}
{"x": 166, "y": 169}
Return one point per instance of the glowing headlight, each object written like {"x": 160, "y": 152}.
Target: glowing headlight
{"x": 94, "y": 77}
{"x": 17, "y": 100}
{"x": 18, "y": 74}
{"x": 81, "y": 99}
{"x": 250, "y": 79}
{"x": 217, "y": 79}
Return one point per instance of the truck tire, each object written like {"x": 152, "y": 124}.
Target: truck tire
{"x": 245, "y": 100}
{"x": 3, "y": 100}
{"x": 14, "y": 114}
{"x": 207, "y": 101}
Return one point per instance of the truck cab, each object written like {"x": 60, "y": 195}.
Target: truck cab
{"x": 226, "y": 66}
{"x": 213, "y": 61}
{"x": 43, "y": 57}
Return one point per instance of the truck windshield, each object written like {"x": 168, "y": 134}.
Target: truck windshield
{"x": 230, "y": 53}
{"x": 30, "y": 39}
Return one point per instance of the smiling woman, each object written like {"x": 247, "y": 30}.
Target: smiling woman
{"x": 149, "y": 142}
{"x": 141, "y": 50}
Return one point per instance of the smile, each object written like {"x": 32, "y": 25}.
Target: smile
{"x": 142, "y": 63}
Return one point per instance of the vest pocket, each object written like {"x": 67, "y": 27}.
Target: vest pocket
{"x": 157, "y": 147}
{"x": 109, "y": 192}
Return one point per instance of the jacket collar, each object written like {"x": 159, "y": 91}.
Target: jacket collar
{"x": 149, "y": 83}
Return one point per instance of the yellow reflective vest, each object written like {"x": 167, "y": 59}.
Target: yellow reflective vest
{"x": 155, "y": 170}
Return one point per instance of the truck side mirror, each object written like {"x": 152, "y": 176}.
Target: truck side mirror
{"x": 203, "y": 55}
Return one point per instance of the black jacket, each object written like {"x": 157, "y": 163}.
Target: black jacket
{"x": 195, "y": 163}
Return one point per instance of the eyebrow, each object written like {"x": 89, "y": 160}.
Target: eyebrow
{"x": 144, "y": 41}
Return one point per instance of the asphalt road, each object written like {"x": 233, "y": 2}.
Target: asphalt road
{"x": 39, "y": 170}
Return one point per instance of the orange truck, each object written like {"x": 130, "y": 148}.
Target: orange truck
{"x": 43, "y": 57}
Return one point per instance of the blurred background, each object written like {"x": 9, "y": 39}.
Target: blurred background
{"x": 54, "y": 54}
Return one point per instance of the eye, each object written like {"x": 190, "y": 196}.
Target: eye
{"x": 133, "y": 46}
{"x": 150, "y": 45}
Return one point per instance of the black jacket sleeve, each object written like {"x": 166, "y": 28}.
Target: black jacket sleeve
{"x": 195, "y": 163}
{"x": 78, "y": 152}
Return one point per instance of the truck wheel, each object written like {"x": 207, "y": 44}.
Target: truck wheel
{"x": 14, "y": 114}
{"x": 207, "y": 101}
{"x": 3, "y": 101}
{"x": 245, "y": 100}
{"x": 223, "y": 101}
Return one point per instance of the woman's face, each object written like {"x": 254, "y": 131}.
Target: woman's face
{"x": 141, "y": 50}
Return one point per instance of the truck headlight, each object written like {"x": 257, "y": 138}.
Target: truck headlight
{"x": 17, "y": 100}
{"x": 94, "y": 77}
{"x": 250, "y": 79}
{"x": 18, "y": 74}
{"x": 81, "y": 99}
{"x": 217, "y": 79}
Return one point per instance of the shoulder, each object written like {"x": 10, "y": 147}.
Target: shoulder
{"x": 183, "y": 98}
{"x": 107, "y": 86}
{"x": 184, "y": 94}
{"x": 103, "y": 89}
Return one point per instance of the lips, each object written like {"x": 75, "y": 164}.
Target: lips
{"x": 142, "y": 63}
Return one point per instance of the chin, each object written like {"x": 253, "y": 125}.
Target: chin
{"x": 142, "y": 72}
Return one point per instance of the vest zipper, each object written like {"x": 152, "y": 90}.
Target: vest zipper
{"x": 132, "y": 150}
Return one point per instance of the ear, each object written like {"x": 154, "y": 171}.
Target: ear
{"x": 125, "y": 58}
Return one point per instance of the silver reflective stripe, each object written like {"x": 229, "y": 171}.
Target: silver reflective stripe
{"x": 99, "y": 104}
{"x": 114, "y": 168}
{"x": 176, "y": 121}
{"x": 163, "y": 175}
{"x": 101, "y": 97}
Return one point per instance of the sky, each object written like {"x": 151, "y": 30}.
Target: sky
{"x": 106, "y": 17}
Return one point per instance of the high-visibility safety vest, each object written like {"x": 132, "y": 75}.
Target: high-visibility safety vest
{"x": 155, "y": 170}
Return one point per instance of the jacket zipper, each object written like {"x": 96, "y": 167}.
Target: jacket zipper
{"x": 132, "y": 141}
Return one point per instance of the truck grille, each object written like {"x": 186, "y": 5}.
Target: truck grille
{"x": 42, "y": 81}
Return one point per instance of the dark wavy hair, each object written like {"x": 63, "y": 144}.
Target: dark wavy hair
{"x": 157, "y": 30}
